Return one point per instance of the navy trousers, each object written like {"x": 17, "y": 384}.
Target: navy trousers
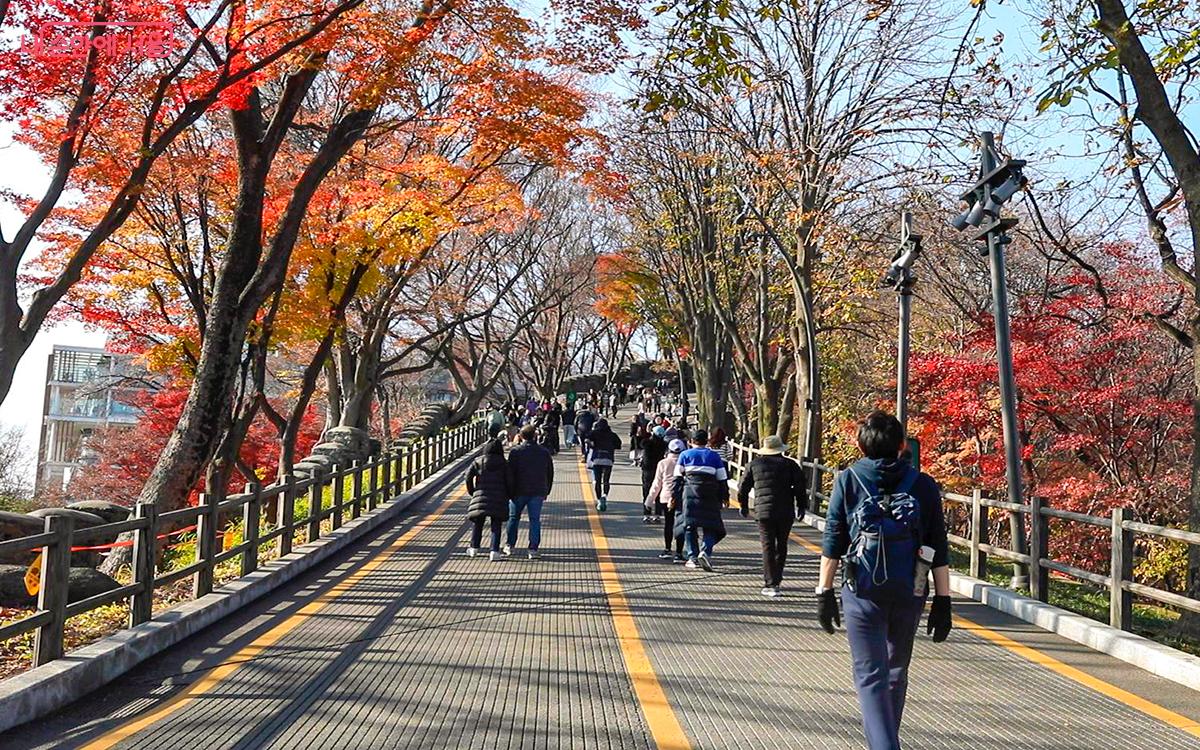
{"x": 881, "y": 639}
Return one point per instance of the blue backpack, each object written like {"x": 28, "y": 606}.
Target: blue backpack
{"x": 885, "y": 534}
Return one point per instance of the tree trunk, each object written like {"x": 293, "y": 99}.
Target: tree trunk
{"x": 1189, "y": 622}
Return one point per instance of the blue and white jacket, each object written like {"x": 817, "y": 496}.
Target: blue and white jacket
{"x": 700, "y": 488}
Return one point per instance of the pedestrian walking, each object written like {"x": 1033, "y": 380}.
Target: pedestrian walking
{"x": 661, "y": 495}
{"x": 530, "y": 479}
{"x": 654, "y": 450}
{"x": 550, "y": 425}
{"x": 699, "y": 488}
{"x": 718, "y": 442}
{"x": 886, "y": 524}
{"x": 603, "y": 445}
{"x": 514, "y": 422}
{"x": 568, "y": 420}
{"x": 487, "y": 484}
{"x": 583, "y": 430}
{"x": 496, "y": 421}
{"x": 637, "y": 426}
{"x": 779, "y": 500}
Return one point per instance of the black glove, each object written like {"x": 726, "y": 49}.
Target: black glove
{"x": 938, "y": 622}
{"x": 827, "y": 610}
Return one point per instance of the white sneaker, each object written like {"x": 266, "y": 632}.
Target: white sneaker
{"x": 768, "y": 591}
{"x": 493, "y": 556}
{"x": 507, "y": 550}
{"x": 472, "y": 551}
{"x": 705, "y": 562}
{"x": 691, "y": 563}
{"x": 534, "y": 554}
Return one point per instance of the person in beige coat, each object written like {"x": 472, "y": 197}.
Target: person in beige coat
{"x": 660, "y": 491}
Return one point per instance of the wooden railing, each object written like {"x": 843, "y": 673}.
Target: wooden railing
{"x": 372, "y": 484}
{"x": 1119, "y": 532}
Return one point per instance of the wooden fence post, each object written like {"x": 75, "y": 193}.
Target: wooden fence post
{"x": 339, "y": 495}
{"x": 356, "y": 488}
{"x": 316, "y": 494}
{"x": 1120, "y": 601}
{"x": 389, "y": 489}
{"x": 52, "y": 593}
{"x": 814, "y": 486}
{"x": 979, "y": 535}
{"x": 1039, "y": 576}
{"x": 251, "y": 520}
{"x": 373, "y": 475}
{"x": 285, "y": 510}
{"x": 206, "y": 543}
{"x": 145, "y": 549}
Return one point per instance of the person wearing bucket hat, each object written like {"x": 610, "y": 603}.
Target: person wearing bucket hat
{"x": 659, "y": 495}
{"x": 778, "y": 483}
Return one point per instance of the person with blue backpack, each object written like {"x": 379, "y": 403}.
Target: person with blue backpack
{"x": 886, "y": 525}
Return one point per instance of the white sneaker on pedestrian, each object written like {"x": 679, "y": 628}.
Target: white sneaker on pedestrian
{"x": 472, "y": 551}
{"x": 507, "y": 550}
{"x": 768, "y": 591}
{"x": 657, "y": 519}
{"x": 705, "y": 562}
{"x": 493, "y": 556}
{"x": 691, "y": 563}
{"x": 534, "y": 554}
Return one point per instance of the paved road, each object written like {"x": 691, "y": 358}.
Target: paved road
{"x": 406, "y": 643}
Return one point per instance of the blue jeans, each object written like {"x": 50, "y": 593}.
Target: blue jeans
{"x": 516, "y": 506}
{"x": 881, "y": 640}
{"x": 690, "y": 539}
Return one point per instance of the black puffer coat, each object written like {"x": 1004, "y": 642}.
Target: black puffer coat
{"x": 603, "y": 445}
{"x": 487, "y": 484}
{"x": 779, "y": 488}
{"x": 654, "y": 450}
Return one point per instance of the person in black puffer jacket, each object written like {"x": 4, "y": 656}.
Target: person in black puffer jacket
{"x": 778, "y": 483}
{"x": 487, "y": 484}
{"x": 602, "y": 447}
{"x": 654, "y": 449}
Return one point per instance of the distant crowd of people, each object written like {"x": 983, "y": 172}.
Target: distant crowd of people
{"x": 884, "y": 528}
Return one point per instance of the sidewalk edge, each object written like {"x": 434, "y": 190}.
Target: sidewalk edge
{"x": 42, "y": 690}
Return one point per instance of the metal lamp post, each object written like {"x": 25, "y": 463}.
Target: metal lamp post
{"x": 900, "y": 277}
{"x": 998, "y": 182}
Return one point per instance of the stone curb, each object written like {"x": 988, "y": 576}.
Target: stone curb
{"x": 45, "y": 689}
{"x": 1163, "y": 661}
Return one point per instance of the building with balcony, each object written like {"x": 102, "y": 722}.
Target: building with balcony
{"x": 87, "y": 389}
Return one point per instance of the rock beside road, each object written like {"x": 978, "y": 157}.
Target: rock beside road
{"x": 81, "y": 584}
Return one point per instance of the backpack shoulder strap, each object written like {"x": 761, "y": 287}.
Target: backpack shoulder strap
{"x": 871, "y": 492}
{"x": 907, "y": 482}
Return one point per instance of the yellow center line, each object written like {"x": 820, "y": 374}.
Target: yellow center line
{"x": 1178, "y": 721}
{"x": 1191, "y": 726}
{"x": 665, "y": 729}
{"x": 264, "y": 642}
